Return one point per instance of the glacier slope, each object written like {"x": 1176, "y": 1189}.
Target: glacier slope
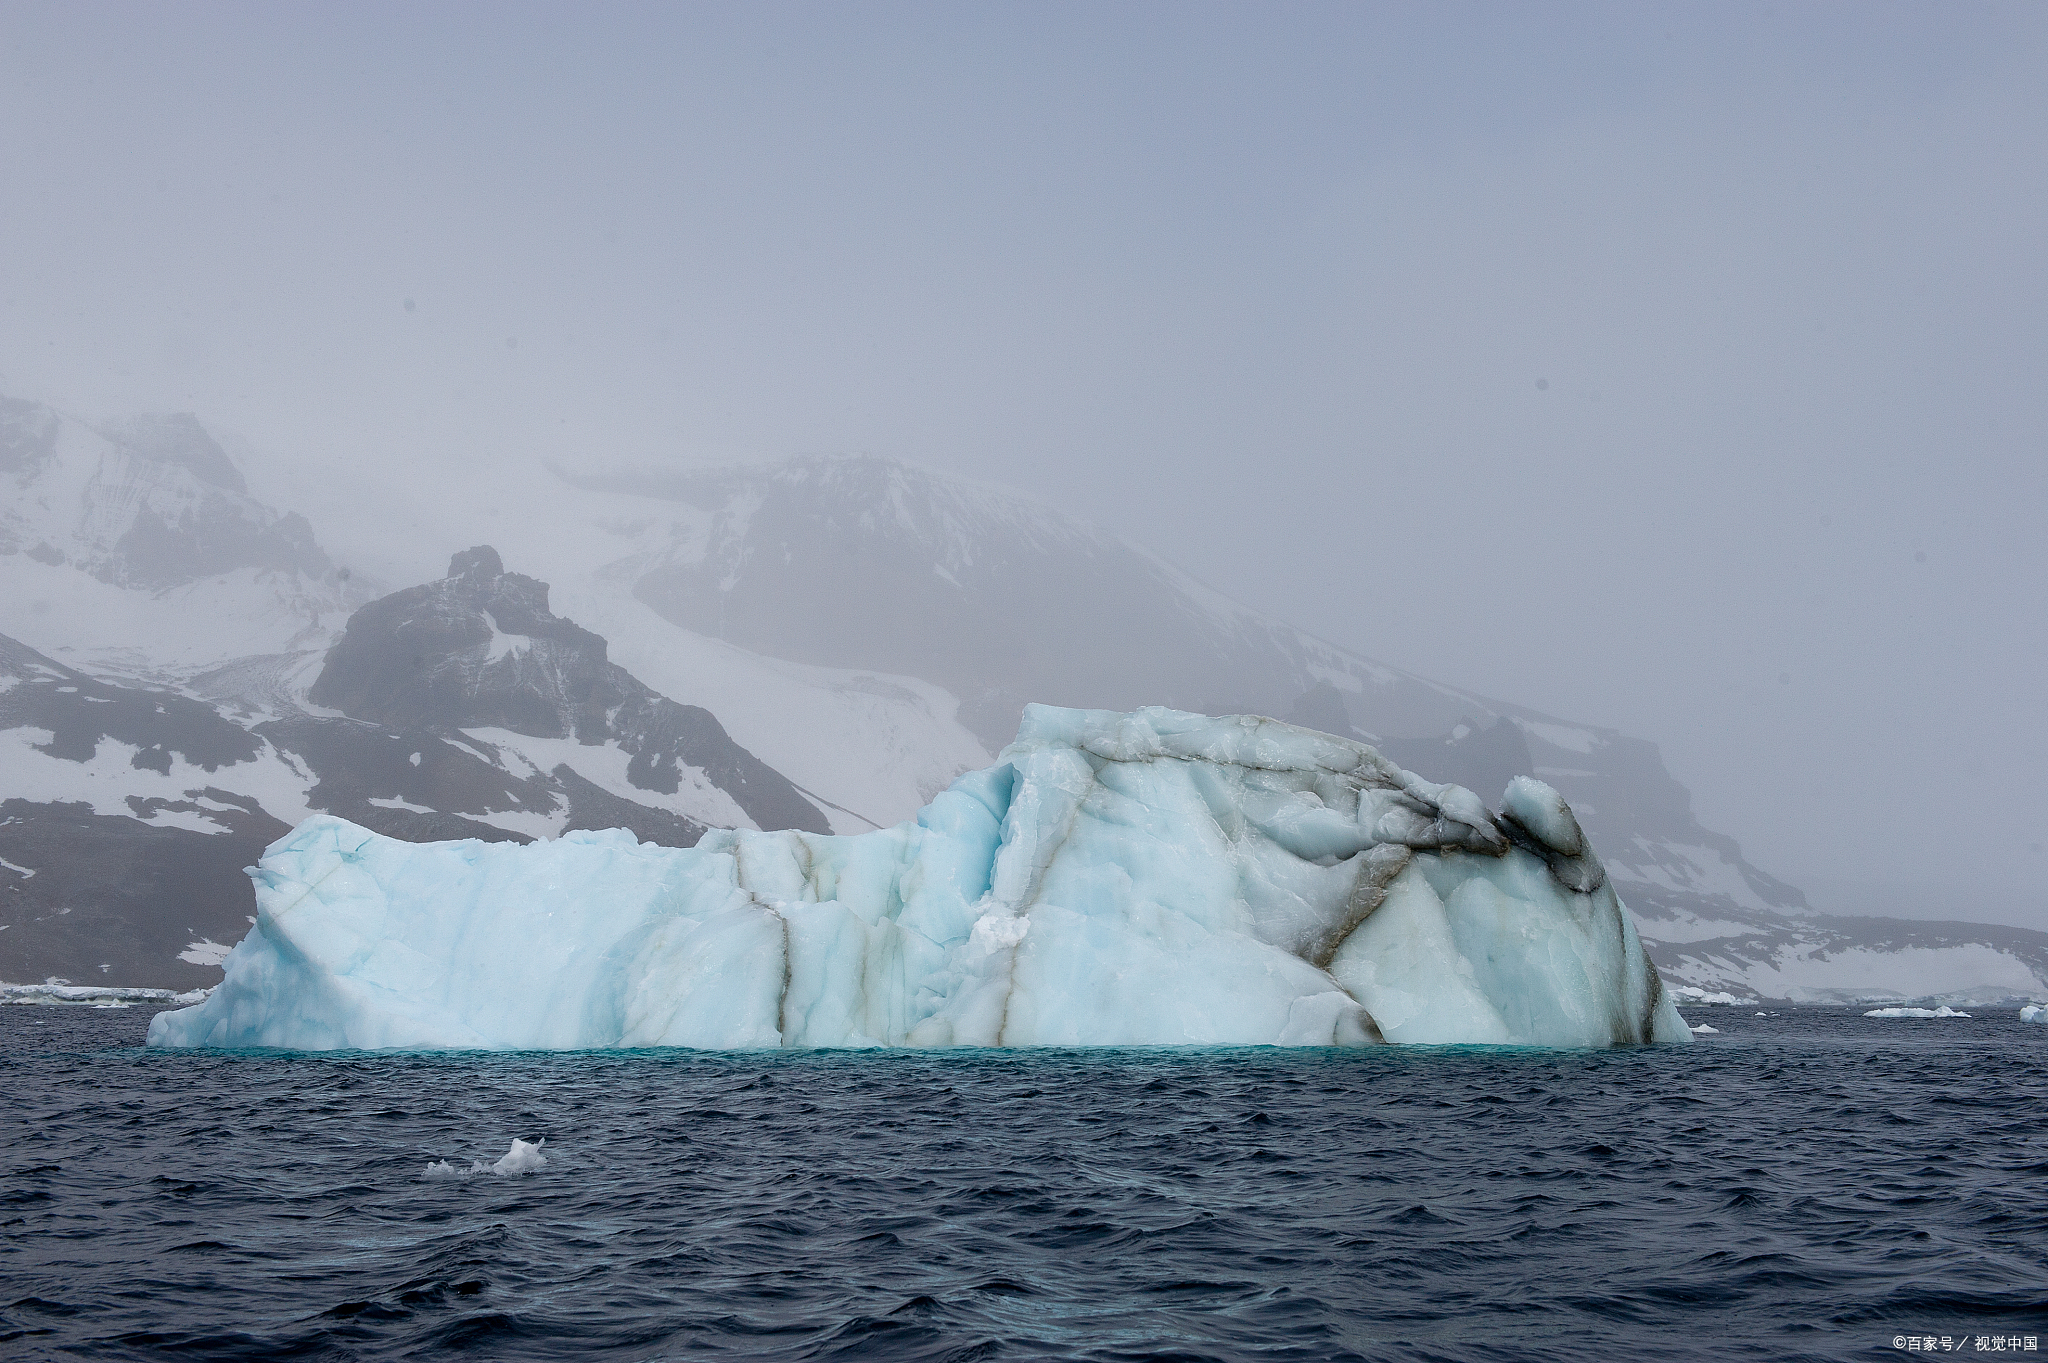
{"x": 873, "y": 747}
{"x": 1152, "y": 878}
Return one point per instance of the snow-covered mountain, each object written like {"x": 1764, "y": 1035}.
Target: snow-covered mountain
{"x": 135, "y": 550}
{"x": 860, "y": 630}
{"x": 867, "y": 563}
{"x": 184, "y": 675}
{"x": 462, "y": 708}
{"x": 126, "y": 817}
{"x": 478, "y": 658}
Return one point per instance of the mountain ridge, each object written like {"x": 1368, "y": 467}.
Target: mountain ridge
{"x": 782, "y": 591}
{"x": 758, "y": 548}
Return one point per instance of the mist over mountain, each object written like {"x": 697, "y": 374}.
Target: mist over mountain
{"x": 149, "y": 502}
{"x": 1158, "y": 546}
{"x": 1674, "y": 372}
{"x": 201, "y": 678}
{"x": 870, "y": 562}
{"x": 821, "y": 643}
{"x": 135, "y": 545}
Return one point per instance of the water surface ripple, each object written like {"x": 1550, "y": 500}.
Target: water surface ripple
{"x": 1805, "y": 1185}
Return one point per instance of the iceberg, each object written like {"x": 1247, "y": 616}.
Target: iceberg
{"x": 2034, "y": 1012}
{"x": 1151, "y": 878}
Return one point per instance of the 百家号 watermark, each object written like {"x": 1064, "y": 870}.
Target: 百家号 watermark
{"x": 1982, "y": 1344}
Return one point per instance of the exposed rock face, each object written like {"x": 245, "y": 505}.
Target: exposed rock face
{"x": 179, "y": 439}
{"x": 188, "y": 511}
{"x": 122, "y": 900}
{"x": 408, "y": 783}
{"x": 481, "y": 650}
{"x": 121, "y": 847}
{"x": 478, "y": 648}
{"x": 135, "y": 551}
{"x": 79, "y": 713}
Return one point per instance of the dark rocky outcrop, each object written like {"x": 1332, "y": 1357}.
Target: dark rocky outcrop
{"x": 354, "y": 763}
{"x": 79, "y": 713}
{"x": 592, "y": 806}
{"x": 103, "y": 897}
{"x": 153, "y": 502}
{"x": 116, "y": 900}
{"x": 125, "y": 889}
{"x": 481, "y": 649}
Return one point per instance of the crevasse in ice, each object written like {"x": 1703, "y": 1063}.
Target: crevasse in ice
{"x": 1153, "y": 878}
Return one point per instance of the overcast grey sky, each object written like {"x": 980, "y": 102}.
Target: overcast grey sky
{"x": 1674, "y": 368}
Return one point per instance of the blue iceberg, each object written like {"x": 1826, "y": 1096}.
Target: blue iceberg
{"x": 1152, "y": 878}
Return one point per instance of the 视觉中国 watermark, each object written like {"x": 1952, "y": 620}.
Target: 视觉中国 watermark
{"x": 1982, "y": 1344}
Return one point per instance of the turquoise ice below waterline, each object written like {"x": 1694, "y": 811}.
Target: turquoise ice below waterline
{"x": 1152, "y": 878}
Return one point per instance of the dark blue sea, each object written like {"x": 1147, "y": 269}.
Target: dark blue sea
{"x": 1806, "y": 1185}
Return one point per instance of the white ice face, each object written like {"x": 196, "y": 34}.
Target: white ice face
{"x": 1152, "y": 878}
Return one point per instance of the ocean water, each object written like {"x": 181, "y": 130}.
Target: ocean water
{"x": 1808, "y": 1184}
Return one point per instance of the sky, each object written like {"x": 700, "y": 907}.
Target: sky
{"x": 1677, "y": 368}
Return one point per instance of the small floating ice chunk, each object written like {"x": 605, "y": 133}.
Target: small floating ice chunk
{"x": 2034, "y": 1012}
{"x": 523, "y": 1158}
{"x": 1942, "y": 1012}
{"x": 1704, "y": 1030}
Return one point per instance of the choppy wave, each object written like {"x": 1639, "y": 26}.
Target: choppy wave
{"x": 1809, "y": 1184}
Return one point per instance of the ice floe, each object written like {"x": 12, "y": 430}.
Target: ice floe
{"x": 1693, "y": 994}
{"x": 97, "y": 995}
